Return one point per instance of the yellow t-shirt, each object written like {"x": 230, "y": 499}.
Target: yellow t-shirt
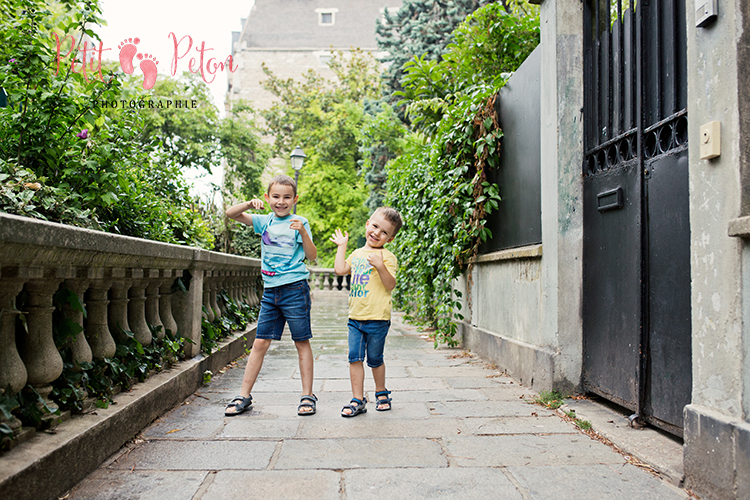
{"x": 368, "y": 298}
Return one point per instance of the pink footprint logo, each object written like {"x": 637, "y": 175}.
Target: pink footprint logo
{"x": 148, "y": 66}
{"x": 127, "y": 51}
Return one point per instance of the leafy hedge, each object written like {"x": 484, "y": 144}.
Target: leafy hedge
{"x": 441, "y": 187}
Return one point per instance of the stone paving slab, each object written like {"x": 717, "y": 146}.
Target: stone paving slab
{"x": 451, "y": 483}
{"x": 365, "y": 426}
{"x": 273, "y": 485}
{"x": 593, "y": 482}
{"x": 143, "y": 485}
{"x": 518, "y": 425}
{"x": 529, "y": 450}
{"x": 336, "y": 454}
{"x": 487, "y": 409}
{"x": 197, "y": 455}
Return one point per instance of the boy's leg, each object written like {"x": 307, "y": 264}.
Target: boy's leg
{"x": 253, "y": 366}
{"x": 378, "y": 375}
{"x": 357, "y": 377}
{"x": 304, "y": 351}
{"x": 357, "y": 343}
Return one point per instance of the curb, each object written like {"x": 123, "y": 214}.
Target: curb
{"x": 52, "y": 463}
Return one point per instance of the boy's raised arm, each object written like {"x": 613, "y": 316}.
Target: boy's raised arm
{"x": 311, "y": 251}
{"x": 340, "y": 266}
{"x": 237, "y": 212}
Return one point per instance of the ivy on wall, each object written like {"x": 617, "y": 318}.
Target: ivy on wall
{"x": 441, "y": 187}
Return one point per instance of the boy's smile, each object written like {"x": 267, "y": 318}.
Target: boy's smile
{"x": 378, "y": 231}
{"x": 281, "y": 198}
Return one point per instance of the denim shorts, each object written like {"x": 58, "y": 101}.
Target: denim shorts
{"x": 285, "y": 304}
{"x": 367, "y": 337}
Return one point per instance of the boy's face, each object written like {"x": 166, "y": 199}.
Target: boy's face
{"x": 281, "y": 198}
{"x": 378, "y": 231}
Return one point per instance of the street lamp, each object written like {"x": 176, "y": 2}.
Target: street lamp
{"x": 298, "y": 158}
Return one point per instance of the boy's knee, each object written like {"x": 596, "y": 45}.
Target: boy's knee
{"x": 261, "y": 344}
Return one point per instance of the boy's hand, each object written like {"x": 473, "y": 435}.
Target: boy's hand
{"x": 340, "y": 239}
{"x": 255, "y": 204}
{"x": 296, "y": 225}
{"x": 376, "y": 259}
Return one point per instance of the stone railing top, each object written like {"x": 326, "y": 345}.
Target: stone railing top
{"x": 31, "y": 242}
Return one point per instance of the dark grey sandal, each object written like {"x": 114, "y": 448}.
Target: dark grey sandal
{"x": 355, "y": 410}
{"x": 385, "y": 401}
{"x": 307, "y": 402}
{"x": 240, "y": 405}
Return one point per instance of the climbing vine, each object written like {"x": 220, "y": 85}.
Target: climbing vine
{"x": 441, "y": 187}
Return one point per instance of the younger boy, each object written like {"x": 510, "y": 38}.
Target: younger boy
{"x": 285, "y": 242}
{"x": 373, "y": 270}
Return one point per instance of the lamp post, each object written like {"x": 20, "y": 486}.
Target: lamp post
{"x": 298, "y": 158}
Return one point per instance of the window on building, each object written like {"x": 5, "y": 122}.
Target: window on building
{"x": 324, "y": 59}
{"x": 326, "y": 16}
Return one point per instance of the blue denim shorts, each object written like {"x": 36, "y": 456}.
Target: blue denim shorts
{"x": 285, "y": 304}
{"x": 367, "y": 337}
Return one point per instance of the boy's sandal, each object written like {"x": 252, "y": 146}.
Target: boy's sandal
{"x": 307, "y": 402}
{"x": 355, "y": 409}
{"x": 239, "y": 404}
{"x": 384, "y": 401}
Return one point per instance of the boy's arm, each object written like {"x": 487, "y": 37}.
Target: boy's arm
{"x": 311, "y": 252}
{"x": 376, "y": 260}
{"x": 340, "y": 266}
{"x": 237, "y": 212}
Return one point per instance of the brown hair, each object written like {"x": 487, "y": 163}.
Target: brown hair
{"x": 283, "y": 180}
{"x": 392, "y": 216}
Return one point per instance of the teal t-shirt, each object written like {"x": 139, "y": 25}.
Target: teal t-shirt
{"x": 282, "y": 255}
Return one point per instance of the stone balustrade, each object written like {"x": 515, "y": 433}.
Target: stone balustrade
{"x": 325, "y": 279}
{"x": 125, "y": 284}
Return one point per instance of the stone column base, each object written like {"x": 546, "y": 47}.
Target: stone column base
{"x": 716, "y": 454}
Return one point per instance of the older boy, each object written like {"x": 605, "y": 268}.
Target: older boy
{"x": 373, "y": 270}
{"x": 285, "y": 242}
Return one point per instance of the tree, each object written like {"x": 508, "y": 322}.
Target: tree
{"x": 324, "y": 118}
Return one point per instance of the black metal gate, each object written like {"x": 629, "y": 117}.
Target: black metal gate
{"x": 636, "y": 226}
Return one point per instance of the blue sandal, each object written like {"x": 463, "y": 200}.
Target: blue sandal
{"x": 384, "y": 401}
{"x": 355, "y": 410}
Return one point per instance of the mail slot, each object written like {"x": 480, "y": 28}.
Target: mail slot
{"x": 610, "y": 200}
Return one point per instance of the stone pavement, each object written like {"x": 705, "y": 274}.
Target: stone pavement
{"x": 458, "y": 429}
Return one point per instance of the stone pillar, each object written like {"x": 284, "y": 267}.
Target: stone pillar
{"x": 137, "y": 307}
{"x": 95, "y": 327}
{"x": 165, "y": 300}
{"x": 153, "y": 317}
{"x": 79, "y": 345}
{"x": 37, "y": 347}
{"x": 12, "y": 370}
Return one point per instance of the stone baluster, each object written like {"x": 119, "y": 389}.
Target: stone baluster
{"x": 235, "y": 287}
{"x": 79, "y": 345}
{"x": 213, "y": 285}
{"x": 207, "y": 309}
{"x": 118, "y": 305}
{"x": 137, "y": 307}
{"x": 187, "y": 312}
{"x": 255, "y": 287}
{"x": 12, "y": 370}
{"x": 153, "y": 318}
{"x": 95, "y": 326}
{"x": 165, "y": 300}
{"x": 243, "y": 281}
{"x": 221, "y": 286}
{"x": 37, "y": 347}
